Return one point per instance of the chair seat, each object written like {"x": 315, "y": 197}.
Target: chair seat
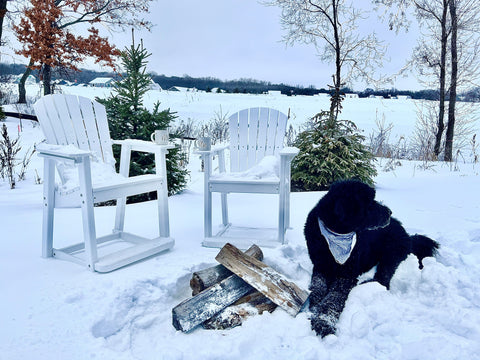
{"x": 267, "y": 171}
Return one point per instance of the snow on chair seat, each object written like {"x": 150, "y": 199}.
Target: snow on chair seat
{"x": 79, "y": 147}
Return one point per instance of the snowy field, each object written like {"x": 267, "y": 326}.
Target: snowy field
{"x": 53, "y": 309}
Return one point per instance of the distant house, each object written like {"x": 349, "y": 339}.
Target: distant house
{"x": 102, "y": 82}
{"x": 154, "y": 85}
{"x": 274, "y": 92}
{"x": 182, "y": 89}
{"x": 351, "y": 96}
{"x": 404, "y": 97}
{"x": 217, "y": 90}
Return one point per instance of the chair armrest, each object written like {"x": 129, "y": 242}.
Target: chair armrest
{"x": 62, "y": 152}
{"x": 289, "y": 151}
{"x": 214, "y": 151}
{"x": 142, "y": 145}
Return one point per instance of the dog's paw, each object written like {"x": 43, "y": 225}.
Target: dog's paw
{"x": 322, "y": 325}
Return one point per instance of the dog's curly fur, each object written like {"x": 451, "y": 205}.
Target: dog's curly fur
{"x": 349, "y": 206}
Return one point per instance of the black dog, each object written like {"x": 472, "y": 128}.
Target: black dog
{"x": 347, "y": 234}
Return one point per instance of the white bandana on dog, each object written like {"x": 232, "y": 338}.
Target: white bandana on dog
{"x": 340, "y": 245}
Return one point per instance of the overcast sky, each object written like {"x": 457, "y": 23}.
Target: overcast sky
{"x": 232, "y": 39}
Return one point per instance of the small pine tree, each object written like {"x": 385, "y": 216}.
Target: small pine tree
{"x": 330, "y": 150}
{"x": 128, "y": 119}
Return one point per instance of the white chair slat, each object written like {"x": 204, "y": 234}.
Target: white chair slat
{"x": 55, "y": 122}
{"x": 46, "y": 124}
{"x": 272, "y": 132}
{"x": 103, "y": 132}
{"x": 262, "y": 134}
{"x": 243, "y": 140}
{"x": 77, "y": 121}
{"x": 281, "y": 132}
{"x": 252, "y": 137}
{"x": 234, "y": 141}
{"x": 66, "y": 123}
{"x": 90, "y": 122}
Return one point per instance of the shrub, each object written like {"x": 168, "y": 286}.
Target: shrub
{"x": 330, "y": 151}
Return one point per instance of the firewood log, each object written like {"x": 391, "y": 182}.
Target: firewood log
{"x": 205, "y": 278}
{"x": 269, "y": 282}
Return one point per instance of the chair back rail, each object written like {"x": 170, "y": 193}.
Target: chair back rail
{"x": 254, "y": 134}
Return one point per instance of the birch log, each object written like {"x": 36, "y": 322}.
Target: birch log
{"x": 269, "y": 282}
{"x": 195, "y": 310}
{"x": 203, "y": 279}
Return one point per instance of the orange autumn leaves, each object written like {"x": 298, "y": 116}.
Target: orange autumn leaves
{"x": 43, "y": 32}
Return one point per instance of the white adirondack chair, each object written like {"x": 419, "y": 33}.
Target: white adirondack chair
{"x": 79, "y": 147}
{"x": 256, "y": 145}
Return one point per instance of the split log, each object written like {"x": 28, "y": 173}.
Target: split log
{"x": 195, "y": 310}
{"x": 203, "y": 279}
{"x": 234, "y": 315}
{"x": 269, "y": 282}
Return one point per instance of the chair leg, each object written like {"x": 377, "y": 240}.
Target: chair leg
{"x": 88, "y": 216}
{"x": 163, "y": 215}
{"x": 120, "y": 215}
{"x": 48, "y": 207}
{"x": 281, "y": 215}
{"x": 207, "y": 197}
{"x": 224, "y": 209}
{"x": 125, "y": 155}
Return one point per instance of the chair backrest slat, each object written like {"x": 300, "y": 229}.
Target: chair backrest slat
{"x": 75, "y": 113}
{"x": 254, "y": 134}
{"x": 252, "y": 137}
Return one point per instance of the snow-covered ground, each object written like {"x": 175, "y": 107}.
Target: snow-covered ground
{"x": 52, "y": 309}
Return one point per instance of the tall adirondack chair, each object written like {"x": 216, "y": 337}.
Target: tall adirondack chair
{"x": 78, "y": 145}
{"x": 256, "y": 145}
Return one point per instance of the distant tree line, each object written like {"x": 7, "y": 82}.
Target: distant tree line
{"x": 245, "y": 86}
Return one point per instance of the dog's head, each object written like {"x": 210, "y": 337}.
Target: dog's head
{"x": 350, "y": 206}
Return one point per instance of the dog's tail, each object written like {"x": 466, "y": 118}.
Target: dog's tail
{"x": 423, "y": 247}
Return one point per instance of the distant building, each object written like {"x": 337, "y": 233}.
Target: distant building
{"x": 154, "y": 85}
{"x": 182, "y": 89}
{"x": 404, "y": 97}
{"x": 102, "y": 82}
{"x": 351, "y": 96}
{"x": 274, "y": 92}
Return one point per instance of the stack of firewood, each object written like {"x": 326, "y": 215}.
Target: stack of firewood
{"x": 241, "y": 286}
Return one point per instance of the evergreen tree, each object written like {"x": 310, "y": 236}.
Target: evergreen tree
{"x": 129, "y": 119}
{"x": 330, "y": 150}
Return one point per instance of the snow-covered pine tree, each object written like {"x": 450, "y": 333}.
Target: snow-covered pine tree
{"x": 330, "y": 150}
{"x": 128, "y": 118}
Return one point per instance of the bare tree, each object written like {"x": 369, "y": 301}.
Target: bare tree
{"x": 449, "y": 41}
{"x": 331, "y": 26}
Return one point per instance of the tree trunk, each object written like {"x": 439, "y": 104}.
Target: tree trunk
{"x": 47, "y": 79}
{"x": 22, "y": 93}
{"x": 337, "y": 81}
{"x": 3, "y": 12}
{"x": 443, "y": 56}
{"x": 453, "y": 84}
